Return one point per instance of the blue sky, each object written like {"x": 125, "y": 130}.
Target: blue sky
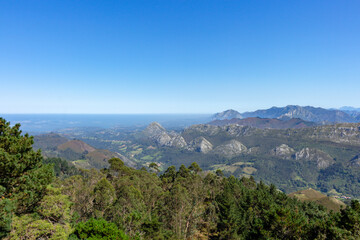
{"x": 177, "y": 56}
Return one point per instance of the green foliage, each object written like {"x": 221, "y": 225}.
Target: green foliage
{"x": 6, "y": 208}
{"x": 187, "y": 204}
{"x": 195, "y": 168}
{"x": 23, "y": 176}
{"x": 62, "y": 168}
{"x": 28, "y": 227}
{"x": 350, "y": 219}
{"x": 71, "y": 155}
{"x": 265, "y": 213}
{"x": 154, "y": 167}
{"x": 116, "y": 164}
{"x": 104, "y": 195}
{"x": 50, "y": 221}
{"x": 55, "y": 206}
{"x": 96, "y": 229}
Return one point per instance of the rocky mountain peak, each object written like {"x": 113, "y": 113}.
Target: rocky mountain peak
{"x": 200, "y": 144}
{"x": 154, "y": 128}
{"x": 231, "y": 148}
{"x": 282, "y": 151}
{"x": 177, "y": 141}
{"x": 322, "y": 159}
{"x": 162, "y": 137}
{"x": 228, "y": 114}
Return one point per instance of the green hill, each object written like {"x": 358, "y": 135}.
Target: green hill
{"x": 76, "y": 146}
{"x": 78, "y": 152}
{"x": 314, "y": 196}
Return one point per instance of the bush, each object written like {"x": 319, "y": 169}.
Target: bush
{"x": 98, "y": 229}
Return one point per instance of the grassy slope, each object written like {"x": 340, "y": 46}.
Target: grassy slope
{"x": 312, "y": 195}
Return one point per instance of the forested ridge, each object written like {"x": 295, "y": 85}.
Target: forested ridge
{"x": 49, "y": 199}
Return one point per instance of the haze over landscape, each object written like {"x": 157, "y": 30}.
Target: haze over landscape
{"x": 155, "y": 120}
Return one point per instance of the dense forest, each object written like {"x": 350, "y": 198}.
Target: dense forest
{"x": 50, "y": 199}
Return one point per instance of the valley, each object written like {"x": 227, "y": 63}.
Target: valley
{"x": 322, "y": 157}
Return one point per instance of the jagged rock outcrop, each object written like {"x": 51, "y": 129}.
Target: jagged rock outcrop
{"x": 228, "y": 114}
{"x": 177, "y": 141}
{"x": 323, "y": 160}
{"x": 340, "y": 133}
{"x": 232, "y": 130}
{"x": 283, "y": 151}
{"x": 202, "y": 129}
{"x": 200, "y": 144}
{"x": 230, "y": 149}
{"x": 235, "y": 130}
{"x": 160, "y": 136}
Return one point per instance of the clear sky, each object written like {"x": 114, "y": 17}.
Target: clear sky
{"x": 179, "y": 56}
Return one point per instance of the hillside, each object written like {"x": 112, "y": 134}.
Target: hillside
{"x": 76, "y": 146}
{"x": 78, "y": 152}
{"x": 320, "y": 157}
{"x": 265, "y": 123}
{"x": 311, "y": 195}
{"x": 48, "y": 141}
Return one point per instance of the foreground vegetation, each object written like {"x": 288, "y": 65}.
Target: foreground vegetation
{"x": 123, "y": 203}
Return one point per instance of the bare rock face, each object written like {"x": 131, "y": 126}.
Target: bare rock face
{"x": 200, "y": 144}
{"x": 322, "y": 159}
{"x": 178, "y": 141}
{"x": 160, "y": 136}
{"x": 348, "y": 133}
{"x": 203, "y": 129}
{"x": 238, "y": 130}
{"x": 283, "y": 151}
{"x": 232, "y": 130}
{"x": 154, "y": 129}
{"x": 231, "y": 149}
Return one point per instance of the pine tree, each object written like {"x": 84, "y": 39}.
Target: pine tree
{"x": 23, "y": 178}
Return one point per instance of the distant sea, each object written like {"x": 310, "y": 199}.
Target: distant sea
{"x": 42, "y": 123}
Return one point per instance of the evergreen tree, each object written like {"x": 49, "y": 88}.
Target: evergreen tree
{"x": 23, "y": 177}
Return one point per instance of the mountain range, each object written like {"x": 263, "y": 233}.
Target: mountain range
{"x": 320, "y": 157}
{"x": 347, "y": 108}
{"x": 292, "y": 153}
{"x": 265, "y": 122}
{"x": 307, "y": 113}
